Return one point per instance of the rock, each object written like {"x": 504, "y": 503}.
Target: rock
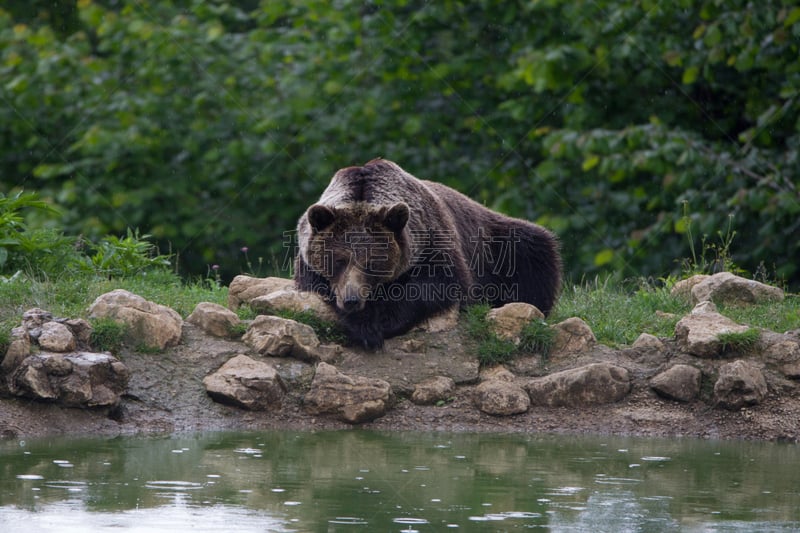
{"x": 149, "y": 323}
{"x": 444, "y": 321}
{"x": 214, "y": 319}
{"x": 433, "y": 390}
{"x": 573, "y": 335}
{"x": 786, "y": 356}
{"x": 81, "y": 330}
{"x": 496, "y": 372}
{"x": 499, "y": 397}
{"x": 698, "y": 333}
{"x": 683, "y": 288}
{"x": 246, "y": 383}
{"x": 282, "y": 337}
{"x": 243, "y": 289}
{"x": 509, "y": 320}
{"x": 295, "y": 301}
{"x": 679, "y": 382}
{"x": 56, "y": 337}
{"x": 596, "y": 383}
{"x": 354, "y": 399}
{"x": 34, "y": 318}
{"x": 705, "y": 306}
{"x": 727, "y": 288}
{"x": 740, "y": 383}
{"x": 18, "y": 349}
{"x": 413, "y": 346}
{"x": 648, "y": 343}
{"x": 81, "y": 379}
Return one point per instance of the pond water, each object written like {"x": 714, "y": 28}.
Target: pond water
{"x": 367, "y": 481}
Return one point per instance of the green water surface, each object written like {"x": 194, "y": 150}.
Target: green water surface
{"x": 366, "y": 481}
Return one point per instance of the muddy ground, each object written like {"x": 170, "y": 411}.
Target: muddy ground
{"x": 166, "y": 395}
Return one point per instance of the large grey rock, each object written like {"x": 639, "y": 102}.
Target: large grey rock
{"x": 433, "y": 390}
{"x": 293, "y": 300}
{"x": 151, "y": 324}
{"x": 282, "y": 337}
{"x": 509, "y": 320}
{"x": 727, "y": 288}
{"x": 739, "y": 384}
{"x": 683, "y": 288}
{"x": 500, "y": 397}
{"x": 247, "y": 383}
{"x": 56, "y": 337}
{"x": 573, "y": 335}
{"x": 214, "y": 319}
{"x": 596, "y": 383}
{"x": 243, "y": 289}
{"x": 354, "y": 399}
{"x": 786, "y": 356}
{"x": 698, "y": 333}
{"x": 80, "y": 379}
{"x": 679, "y": 382}
{"x": 18, "y": 349}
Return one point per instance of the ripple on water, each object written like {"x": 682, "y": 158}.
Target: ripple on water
{"x": 29, "y": 477}
{"x": 71, "y": 486}
{"x": 348, "y": 521}
{"x": 173, "y": 485}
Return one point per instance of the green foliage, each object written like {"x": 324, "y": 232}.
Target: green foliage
{"x": 327, "y": 332}
{"x": 739, "y": 341}
{"x": 118, "y": 258}
{"x": 108, "y": 334}
{"x": 537, "y": 337}
{"x": 212, "y": 125}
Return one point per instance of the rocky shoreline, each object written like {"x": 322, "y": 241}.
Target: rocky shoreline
{"x": 203, "y": 374}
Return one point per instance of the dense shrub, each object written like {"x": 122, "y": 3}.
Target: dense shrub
{"x": 212, "y": 125}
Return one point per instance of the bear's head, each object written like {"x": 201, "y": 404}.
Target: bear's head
{"x": 356, "y": 247}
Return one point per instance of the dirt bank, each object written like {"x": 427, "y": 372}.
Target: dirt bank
{"x": 166, "y": 395}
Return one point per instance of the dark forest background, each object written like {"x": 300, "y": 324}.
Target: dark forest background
{"x": 639, "y": 131}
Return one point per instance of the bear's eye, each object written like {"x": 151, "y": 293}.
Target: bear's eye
{"x": 339, "y": 263}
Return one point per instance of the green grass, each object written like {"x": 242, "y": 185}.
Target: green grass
{"x": 108, "y": 335}
{"x": 536, "y": 337}
{"x": 739, "y": 341}
{"x": 617, "y": 313}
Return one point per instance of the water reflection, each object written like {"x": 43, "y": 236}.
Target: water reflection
{"x": 357, "y": 480}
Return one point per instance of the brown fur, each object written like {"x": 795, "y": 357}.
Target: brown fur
{"x": 388, "y": 250}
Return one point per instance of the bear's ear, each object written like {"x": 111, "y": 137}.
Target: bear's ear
{"x": 396, "y": 217}
{"x": 320, "y": 217}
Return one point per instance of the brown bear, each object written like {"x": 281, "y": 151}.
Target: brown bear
{"x": 388, "y": 250}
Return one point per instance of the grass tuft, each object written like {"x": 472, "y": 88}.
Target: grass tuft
{"x": 739, "y": 341}
{"x": 108, "y": 335}
{"x": 536, "y": 337}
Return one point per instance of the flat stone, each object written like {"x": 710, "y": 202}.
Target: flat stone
{"x": 433, "y": 390}
{"x": 683, "y": 288}
{"x": 214, "y": 319}
{"x": 698, "y": 333}
{"x": 282, "y": 337}
{"x": 499, "y": 397}
{"x": 18, "y": 349}
{"x": 679, "y": 382}
{"x": 149, "y": 323}
{"x": 295, "y": 301}
{"x": 246, "y": 383}
{"x": 243, "y": 289}
{"x": 727, "y": 288}
{"x": 786, "y": 356}
{"x": 597, "y": 383}
{"x": 56, "y": 337}
{"x": 648, "y": 343}
{"x": 354, "y": 399}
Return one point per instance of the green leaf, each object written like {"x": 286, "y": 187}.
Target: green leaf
{"x": 792, "y": 17}
{"x": 603, "y": 257}
{"x": 590, "y": 162}
{"x": 690, "y": 75}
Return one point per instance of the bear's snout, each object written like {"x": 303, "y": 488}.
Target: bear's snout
{"x": 351, "y": 292}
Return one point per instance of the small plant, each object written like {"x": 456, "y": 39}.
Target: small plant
{"x": 537, "y": 337}
{"x": 328, "y": 332}
{"x": 722, "y": 260}
{"x": 108, "y": 335}
{"x": 239, "y": 329}
{"x": 739, "y": 341}
{"x": 492, "y": 349}
{"x": 119, "y": 258}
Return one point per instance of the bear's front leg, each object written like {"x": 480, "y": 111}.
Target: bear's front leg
{"x": 364, "y": 328}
